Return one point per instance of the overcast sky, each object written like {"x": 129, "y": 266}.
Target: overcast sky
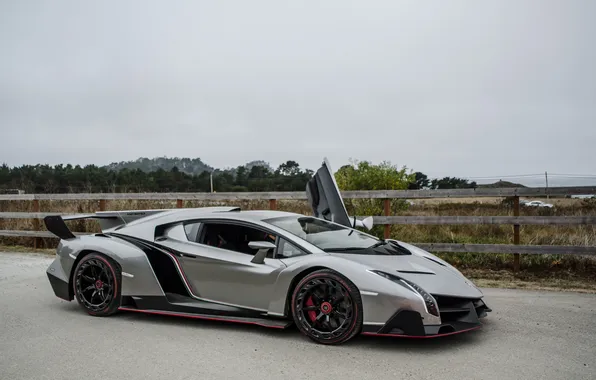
{"x": 463, "y": 88}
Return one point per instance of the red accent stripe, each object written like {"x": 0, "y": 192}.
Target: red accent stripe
{"x": 181, "y": 271}
{"x": 423, "y": 336}
{"x": 174, "y": 314}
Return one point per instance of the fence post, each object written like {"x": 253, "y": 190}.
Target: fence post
{"x": 102, "y": 205}
{"x": 179, "y": 203}
{"x": 387, "y": 207}
{"x": 516, "y": 233}
{"x": 273, "y": 204}
{"x": 36, "y": 240}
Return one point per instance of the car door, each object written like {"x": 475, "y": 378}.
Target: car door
{"x": 324, "y": 197}
{"x": 224, "y": 275}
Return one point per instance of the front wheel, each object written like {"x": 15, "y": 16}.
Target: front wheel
{"x": 97, "y": 284}
{"x": 327, "y": 307}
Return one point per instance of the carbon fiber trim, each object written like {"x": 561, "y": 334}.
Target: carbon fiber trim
{"x": 60, "y": 288}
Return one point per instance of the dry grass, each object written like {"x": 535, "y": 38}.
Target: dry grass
{"x": 568, "y": 281}
{"x": 498, "y": 234}
{"x": 23, "y": 249}
{"x": 503, "y": 234}
{"x": 559, "y": 202}
{"x": 493, "y": 234}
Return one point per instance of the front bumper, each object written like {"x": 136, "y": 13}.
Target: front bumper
{"x": 458, "y": 315}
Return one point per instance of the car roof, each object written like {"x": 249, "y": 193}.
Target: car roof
{"x": 263, "y": 214}
{"x": 144, "y": 227}
{"x": 171, "y": 215}
{"x": 232, "y": 212}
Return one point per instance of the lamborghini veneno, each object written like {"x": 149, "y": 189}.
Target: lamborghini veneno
{"x": 268, "y": 268}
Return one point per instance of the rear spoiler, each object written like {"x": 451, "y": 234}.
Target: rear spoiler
{"x": 56, "y": 224}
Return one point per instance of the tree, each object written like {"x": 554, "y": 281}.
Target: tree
{"x": 366, "y": 176}
{"x": 289, "y": 168}
{"x": 258, "y": 171}
{"x": 421, "y": 181}
{"x": 452, "y": 183}
{"x": 241, "y": 176}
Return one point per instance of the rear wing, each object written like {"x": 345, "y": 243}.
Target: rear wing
{"x": 56, "y": 224}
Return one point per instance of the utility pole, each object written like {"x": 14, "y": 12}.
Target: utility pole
{"x": 546, "y": 178}
{"x": 211, "y": 180}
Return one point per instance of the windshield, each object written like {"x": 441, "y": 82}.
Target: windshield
{"x": 325, "y": 235}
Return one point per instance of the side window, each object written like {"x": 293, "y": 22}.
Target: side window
{"x": 192, "y": 231}
{"x": 287, "y": 250}
{"x": 233, "y": 237}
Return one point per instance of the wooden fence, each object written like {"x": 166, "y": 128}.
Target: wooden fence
{"x": 387, "y": 220}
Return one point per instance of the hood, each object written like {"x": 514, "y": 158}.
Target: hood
{"x": 431, "y": 275}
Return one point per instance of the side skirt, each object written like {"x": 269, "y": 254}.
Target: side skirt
{"x": 179, "y": 306}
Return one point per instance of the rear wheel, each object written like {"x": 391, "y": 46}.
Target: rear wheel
{"x": 327, "y": 307}
{"x": 97, "y": 284}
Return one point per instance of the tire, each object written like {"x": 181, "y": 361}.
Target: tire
{"x": 97, "y": 284}
{"x": 327, "y": 307}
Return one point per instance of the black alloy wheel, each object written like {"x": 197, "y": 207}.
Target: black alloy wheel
{"x": 97, "y": 284}
{"x": 327, "y": 307}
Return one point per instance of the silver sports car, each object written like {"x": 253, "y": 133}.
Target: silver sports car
{"x": 269, "y": 268}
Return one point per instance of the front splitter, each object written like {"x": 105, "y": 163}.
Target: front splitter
{"x": 429, "y": 336}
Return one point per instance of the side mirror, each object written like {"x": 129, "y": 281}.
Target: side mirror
{"x": 263, "y": 247}
{"x": 366, "y": 223}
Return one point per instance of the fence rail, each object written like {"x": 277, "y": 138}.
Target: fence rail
{"x": 387, "y": 220}
{"x": 301, "y": 195}
{"x": 509, "y": 248}
{"x": 459, "y": 220}
{"x": 432, "y": 247}
{"x": 411, "y": 220}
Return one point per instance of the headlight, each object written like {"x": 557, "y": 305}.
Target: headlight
{"x": 429, "y": 301}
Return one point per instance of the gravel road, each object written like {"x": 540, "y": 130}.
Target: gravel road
{"x": 529, "y": 335}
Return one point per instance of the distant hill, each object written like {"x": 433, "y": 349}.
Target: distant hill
{"x": 501, "y": 184}
{"x": 191, "y": 166}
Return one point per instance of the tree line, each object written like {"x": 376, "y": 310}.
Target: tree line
{"x": 289, "y": 176}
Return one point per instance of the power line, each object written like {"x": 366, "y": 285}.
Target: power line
{"x": 536, "y": 175}
{"x": 573, "y": 175}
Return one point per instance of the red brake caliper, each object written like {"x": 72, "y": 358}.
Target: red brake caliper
{"x": 311, "y": 313}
